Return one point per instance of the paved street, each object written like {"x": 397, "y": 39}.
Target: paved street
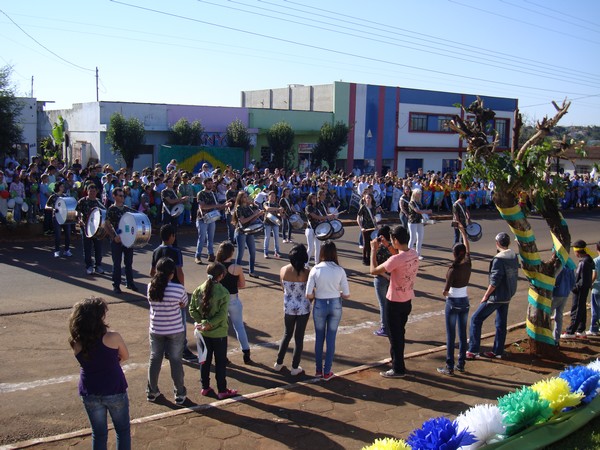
{"x": 38, "y": 376}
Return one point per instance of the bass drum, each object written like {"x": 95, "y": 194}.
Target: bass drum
{"x": 474, "y": 232}
{"x": 94, "y": 228}
{"x": 134, "y": 230}
{"x": 176, "y": 210}
{"x": 65, "y": 210}
{"x": 296, "y": 221}
{"x": 272, "y": 219}
{"x": 211, "y": 216}
{"x": 323, "y": 231}
{"x": 255, "y": 228}
{"x": 338, "y": 229}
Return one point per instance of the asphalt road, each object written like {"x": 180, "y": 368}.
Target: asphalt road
{"x": 38, "y": 374}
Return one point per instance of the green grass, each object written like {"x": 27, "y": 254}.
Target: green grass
{"x": 586, "y": 438}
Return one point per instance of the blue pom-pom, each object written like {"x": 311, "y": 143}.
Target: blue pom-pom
{"x": 582, "y": 379}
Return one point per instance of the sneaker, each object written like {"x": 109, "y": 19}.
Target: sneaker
{"x": 277, "y": 367}
{"x": 421, "y": 258}
{"x": 57, "y": 254}
{"x": 117, "y": 290}
{"x": 392, "y": 374}
{"x": 253, "y": 275}
{"x": 189, "y": 356}
{"x": 206, "y": 392}
{"x": 227, "y": 394}
{"x": 297, "y": 371}
{"x": 381, "y": 332}
{"x": 211, "y": 258}
{"x": 198, "y": 260}
{"x": 99, "y": 270}
{"x": 151, "y": 397}
{"x": 180, "y": 400}
{"x": 89, "y": 270}
{"x": 492, "y": 355}
{"x": 582, "y": 335}
{"x": 328, "y": 376}
{"x": 277, "y": 256}
{"x": 68, "y": 253}
{"x": 592, "y": 333}
{"x": 567, "y": 336}
{"x": 266, "y": 256}
{"x": 318, "y": 374}
{"x": 132, "y": 287}
{"x": 285, "y": 241}
{"x": 471, "y": 355}
{"x": 445, "y": 370}
{"x": 361, "y": 247}
{"x": 461, "y": 369}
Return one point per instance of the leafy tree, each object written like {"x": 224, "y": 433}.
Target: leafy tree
{"x": 237, "y": 135}
{"x": 125, "y": 136}
{"x": 331, "y": 140}
{"x": 186, "y": 133}
{"x": 10, "y": 109}
{"x": 525, "y": 168}
{"x": 281, "y": 138}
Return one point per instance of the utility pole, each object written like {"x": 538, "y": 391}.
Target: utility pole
{"x": 97, "y": 84}
{"x": 31, "y": 86}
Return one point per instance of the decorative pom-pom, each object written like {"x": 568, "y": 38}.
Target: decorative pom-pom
{"x": 484, "y": 422}
{"x": 522, "y": 409}
{"x": 558, "y": 393}
{"x": 595, "y": 365}
{"x": 388, "y": 444}
{"x": 582, "y": 379}
{"x": 439, "y": 433}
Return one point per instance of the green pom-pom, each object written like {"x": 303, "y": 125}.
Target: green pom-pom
{"x": 522, "y": 409}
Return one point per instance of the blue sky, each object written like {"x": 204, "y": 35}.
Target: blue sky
{"x": 207, "y": 52}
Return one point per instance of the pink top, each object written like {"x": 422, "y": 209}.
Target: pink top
{"x": 403, "y": 272}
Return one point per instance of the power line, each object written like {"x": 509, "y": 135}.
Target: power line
{"x": 43, "y": 46}
{"x": 545, "y": 7}
{"x": 339, "y": 52}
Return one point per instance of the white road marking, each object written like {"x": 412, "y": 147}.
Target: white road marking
{"x": 6, "y": 388}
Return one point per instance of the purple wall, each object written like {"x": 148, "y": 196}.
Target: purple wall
{"x": 212, "y": 118}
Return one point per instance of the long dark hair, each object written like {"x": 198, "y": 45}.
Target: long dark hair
{"x": 214, "y": 271}
{"x": 459, "y": 251}
{"x": 225, "y": 251}
{"x": 86, "y": 324}
{"x": 165, "y": 268}
{"x": 298, "y": 257}
{"x": 329, "y": 252}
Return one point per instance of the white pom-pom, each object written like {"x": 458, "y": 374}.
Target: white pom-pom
{"x": 595, "y": 365}
{"x": 484, "y": 421}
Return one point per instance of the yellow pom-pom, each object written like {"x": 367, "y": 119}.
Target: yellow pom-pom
{"x": 558, "y": 393}
{"x": 388, "y": 444}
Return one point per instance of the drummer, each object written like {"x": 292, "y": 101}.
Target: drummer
{"x": 207, "y": 202}
{"x": 169, "y": 200}
{"x": 244, "y": 215}
{"x": 272, "y": 208}
{"x": 59, "y": 191}
{"x": 286, "y": 204}
{"x": 367, "y": 223}
{"x": 316, "y": 212}
{"x": 118, "y": 251}
{"x": 85, "y": 205}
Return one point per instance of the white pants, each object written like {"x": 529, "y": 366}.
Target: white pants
{"x": 416, "y": 231}
{"x": 314, "y": 245}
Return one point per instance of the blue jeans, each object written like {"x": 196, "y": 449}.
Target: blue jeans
{"x": 483, "y": 312}
{"x": 595, "y": 312}
{"x": 236, "y": 314}
{"x": 172, "y": 344}
{"x": 558, "y": 307}
{"x": 381, "y": 287}
{"x": 57, "y": 229}
{"x": 242, "y": 241}
{"x": 204, "y": 230}
{"x": 121, "y": 253}
{"x": 88, "y": 245}
{"x": 457, "y": 311}
{"x": 268, "y": 230}
{"x": 117, "y": 405}
{"x": 230, "y": 228}
{"x": 327, "y": 313}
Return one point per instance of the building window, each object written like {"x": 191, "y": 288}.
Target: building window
{"x": 502, "y": 126}
{"x": 450, "y": 165}
{"x": 418, "y": 122}
{"x": 430, "y": 123}
{"x": 411, "y": 165}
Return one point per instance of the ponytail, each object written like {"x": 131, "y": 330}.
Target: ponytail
{"x": 165, "y": 269}
{"x": 214, "y": 271}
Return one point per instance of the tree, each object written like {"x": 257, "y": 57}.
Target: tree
{"x": 281, "y": 138}
{"x": 524, "y": 168}
{"x": 186, "y": 133}
{"x": 10, "y": 109}
{"x": 237, "y": 135}
{"x": 125, "y": 136}
{"x": 331, "y": 140}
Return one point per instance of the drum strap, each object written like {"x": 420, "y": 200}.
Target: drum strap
{"x": 462, "y": 209}
{"x": 371, "y": 214}
{"x": 288, "y": 204}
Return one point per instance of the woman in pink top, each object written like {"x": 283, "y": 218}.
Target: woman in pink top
{"x": 403, "y": 272}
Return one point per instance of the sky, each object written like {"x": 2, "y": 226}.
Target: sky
{"x": 207, "y": 52}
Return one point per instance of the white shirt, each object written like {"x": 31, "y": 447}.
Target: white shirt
{"x": 327, "y": 279}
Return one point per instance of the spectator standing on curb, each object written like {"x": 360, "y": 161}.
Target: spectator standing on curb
{"x": 593, "y": 331}
{"x": 504, "y": 271}
{"x": 565, "y": 280}
{"x": 581, "y": 290}
{"x": 382, "y": 282}
{"x": 460, "y": 215}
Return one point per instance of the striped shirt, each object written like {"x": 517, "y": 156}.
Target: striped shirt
{"x": 165, "y": 316}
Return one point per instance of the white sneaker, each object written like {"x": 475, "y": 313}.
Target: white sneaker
{"x": 361, "y": 247}
{"x": 297, "y": 371}
{"x": 68, "y": 253}
{"x": 421, "y": 258}
{"x": 567, "y": 336}
{"x": 277, "y": 367}
{"x": 89, "y": 270}
{"x": 592, "y": 333}
{"x": 57, "y": 254}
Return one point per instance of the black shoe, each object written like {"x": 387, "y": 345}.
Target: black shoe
{"x": 117, "y": 290}
{"x": 132, "y": 287}
{"x": 247, "y": 359}
{"x": 461, "y": 369}
{"x": 253, "y": 275}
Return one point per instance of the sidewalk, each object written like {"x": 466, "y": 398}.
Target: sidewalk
{"x": 348, "y": 412}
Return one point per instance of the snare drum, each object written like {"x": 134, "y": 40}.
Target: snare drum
{"x": 374, "y": 234}
{"x": 94, "y": 228}
{"x": 176, "y": 210}
{"x": 296, "y": 221}
{"x": 211, "y": 216}
{"x": 474, "y": 232}
{"x": 65, "y": 210}
{"x": 134, "y": 230}
{"x": 272, "y": 219}
{"x": 323, "y": 231}
{"x": 338, "y": 229}
{"x": 378, "y": 218}
{"x": 255, "y": 228}
{"x": 333, "y": 211}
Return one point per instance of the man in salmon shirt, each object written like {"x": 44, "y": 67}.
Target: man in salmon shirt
{"x": 402, "y": 268}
